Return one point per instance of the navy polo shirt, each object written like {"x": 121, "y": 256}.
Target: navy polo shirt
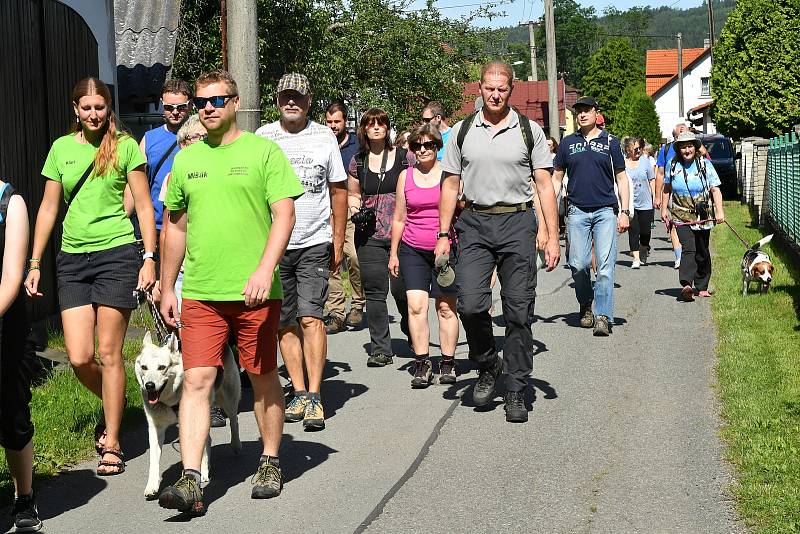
{"x": 349, "y": 149}
{"x": 592, "y": 167}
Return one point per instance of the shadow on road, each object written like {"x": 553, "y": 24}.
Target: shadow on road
{"x": 674, "y": 292}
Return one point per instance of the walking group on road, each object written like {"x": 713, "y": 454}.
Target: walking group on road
{"x": 245, "y": 237}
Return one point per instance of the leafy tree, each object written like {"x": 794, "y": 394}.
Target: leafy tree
{"x": 633, "y": 23}
{"x": 576, "y": 38}
{"x": 756, "y": 73}
{"x": 636, "y": 115}
{"x": 611, "y": 69}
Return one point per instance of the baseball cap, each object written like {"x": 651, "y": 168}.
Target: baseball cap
{"x": 586, "y": 101}
{"x": 294, "y": 81}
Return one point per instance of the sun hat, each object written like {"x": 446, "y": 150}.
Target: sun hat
{"x": 687, "y": 137}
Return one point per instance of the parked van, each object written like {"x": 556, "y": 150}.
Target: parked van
{"x": 720, "y": 148}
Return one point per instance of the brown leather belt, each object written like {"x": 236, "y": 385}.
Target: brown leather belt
{"x": 499, "y": 209}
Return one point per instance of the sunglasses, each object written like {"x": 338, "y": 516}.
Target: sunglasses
{"x": 429, "y": 145}
{"x": 217, "y": 101}
{"x": 426, "y": 120}
{"x": 196, "y": 137}
{"x": 172, "y": 107}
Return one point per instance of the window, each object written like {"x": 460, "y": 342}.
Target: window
{"x": 705, "y": 87}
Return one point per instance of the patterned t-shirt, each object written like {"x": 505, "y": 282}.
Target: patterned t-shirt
{"x": 690, "y": 186}
{"x": 315, "y": 158}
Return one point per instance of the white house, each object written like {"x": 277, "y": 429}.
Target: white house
{"x": 662, "y": 86}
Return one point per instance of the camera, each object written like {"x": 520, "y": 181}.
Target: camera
{"x": 702, "y": 210}
{"x": 364, "y": 217}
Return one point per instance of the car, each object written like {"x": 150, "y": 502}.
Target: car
{"x": 723, "y": 157}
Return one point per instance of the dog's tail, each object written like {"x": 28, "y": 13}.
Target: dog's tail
{"x": 759, "y": 244}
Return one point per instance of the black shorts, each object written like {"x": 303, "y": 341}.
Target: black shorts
{"x": 16, "y": 429}
{"x": 418, "y": 272}
{"x": 304, "y": 277}
{"x": 107, "y": 277}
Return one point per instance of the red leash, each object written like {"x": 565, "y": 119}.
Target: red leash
{"x": 669, "y": 224}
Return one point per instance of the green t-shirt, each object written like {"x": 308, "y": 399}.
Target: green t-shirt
{"x": 96, "y": 220}
{"x": 226, "y": 191}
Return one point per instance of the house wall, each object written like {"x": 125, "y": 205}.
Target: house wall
{"x": 99, "y": 16}
{"x": 667, "y": 99}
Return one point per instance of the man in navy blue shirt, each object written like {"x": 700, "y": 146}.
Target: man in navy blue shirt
{"x": 593, "y": 160}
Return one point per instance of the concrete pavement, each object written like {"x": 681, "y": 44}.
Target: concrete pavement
{"x": 622, "y": 437}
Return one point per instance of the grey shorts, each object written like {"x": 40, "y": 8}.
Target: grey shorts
{"x": 107, "y": 277}
{"x": 304, "y": 277}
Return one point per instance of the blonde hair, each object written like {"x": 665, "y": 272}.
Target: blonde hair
{"x": 106, "y": 157}
{"x": 191, "y": 125}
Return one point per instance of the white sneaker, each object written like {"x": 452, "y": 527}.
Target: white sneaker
{"x": 636, "y": 264}
{"x": 677, "y": 263}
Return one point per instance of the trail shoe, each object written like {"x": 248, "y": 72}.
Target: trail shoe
{"x": 515, "y": 407}
{"x": 334, "y": 325}
{"x": 354, "y": 318}
{"x": 379, "y": 360}
{"x": 602, "y": 327}
{"x": 26, "y": 516}
{"x": 447, "y": 371}
{"x": 296, "y": 408}
{"x": 483, "y": 392}
{"x": 267, "y": 480}
{"x": 423, "y": 375}
{"x": 587, "y": 317}
{"x": 636, "y": 264}
{"x": 314, "y": 417}
{"x": 185, "y": 496}
{"x": 217, "y": 417}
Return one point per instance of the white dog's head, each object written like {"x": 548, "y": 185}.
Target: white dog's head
{"x": 157, "y": 367}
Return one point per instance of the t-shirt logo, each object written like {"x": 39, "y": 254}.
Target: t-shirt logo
{"x": 197, "y": 174}
{"x": 70, "y": 162}
{"x": 239, "y": 171}
{"x": 575, "y": 148}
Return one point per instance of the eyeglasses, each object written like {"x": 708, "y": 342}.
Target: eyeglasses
{"x": 196, "y": 137}
{"x": 428, "y": 145}
{"x": 172, "y": 107}
{"x": 426, "y": 120}
{"x": 217, "y": 101}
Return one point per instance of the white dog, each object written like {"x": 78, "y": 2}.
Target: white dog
{"x": 159, "y": 371}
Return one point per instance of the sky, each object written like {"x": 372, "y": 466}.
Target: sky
{"x": 523, "y": 10}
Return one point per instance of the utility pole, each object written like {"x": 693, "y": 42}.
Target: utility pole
{"x": 680, "y": 75}
{"x": 242, "y": 26}
{"x": 711, "y": 27}
{"x": 223, "y": 27}
{"x": 552, "y": 95}
{"x": 532, "y": 40}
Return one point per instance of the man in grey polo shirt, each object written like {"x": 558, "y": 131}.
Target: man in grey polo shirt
{"x": 498, "y": 227}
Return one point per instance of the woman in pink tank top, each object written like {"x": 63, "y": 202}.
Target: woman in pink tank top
{"x": 414, "y": 233}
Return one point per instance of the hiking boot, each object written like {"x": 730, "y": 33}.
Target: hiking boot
{"x": 25, "y": 514}
{"x": 354, "y": 318}
{"x": 447, "y": 371}
{"x": 267, "y": 480}
{"x": 483, "y": 392}
{"x": 516, "y": 412}
{"x": 314, "y": 418}
{"x": 379, "y": 360}
{"x": 334, "y": 325}
{"x": 687, "y": 294}
{"x": 185, "y": 496}
{"x": 587, "y": 317}
{"x": 602, "y": 327}
{"x": 296, "y": 408}
{"x": 422, "y": 375}
{"x": 217, "y": 417}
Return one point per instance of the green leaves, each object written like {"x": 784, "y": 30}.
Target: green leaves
{"x": 611, "y": 69}
{"x": 636, "y": 115}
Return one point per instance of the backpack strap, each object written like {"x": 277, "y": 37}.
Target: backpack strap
{"x": 77, "y": 188}
{"x": 5, "y": 200}
{"x": 152, "y": 177}
{"x": 466, "y": 124}
{"x": 527, "y": 135}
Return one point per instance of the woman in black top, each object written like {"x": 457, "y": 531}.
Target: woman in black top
{"x": 371, "y": 200}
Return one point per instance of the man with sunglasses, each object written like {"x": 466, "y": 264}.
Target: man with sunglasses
{"x": 160, "y": 145}
{"x": 315, "y": 248}
{"x": 231, "y": 212}
{"x": 433, "y": 114}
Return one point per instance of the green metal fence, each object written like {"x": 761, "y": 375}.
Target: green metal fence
{"x": 783, "y": 184}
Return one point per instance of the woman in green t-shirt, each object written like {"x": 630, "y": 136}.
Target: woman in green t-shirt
{"x": 99, "y": 268}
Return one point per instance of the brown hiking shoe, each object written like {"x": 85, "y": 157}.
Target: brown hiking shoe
{"x": 184, "y": 496}
{"x": 586, "y": 315}
{"x": 602, "y": 326}
{"x": 354, "y": 318}
{"x": 334, "y": 325}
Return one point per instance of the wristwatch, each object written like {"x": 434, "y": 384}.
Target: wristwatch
{"x": 148, "y": 255}
{"x": 442, "y": 234}
{"x": 626, "y": 212}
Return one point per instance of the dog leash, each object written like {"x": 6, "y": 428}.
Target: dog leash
{"x": 737, "y": 235}
{"x": 669, "y": 225}
{"x": 159, "y": 325}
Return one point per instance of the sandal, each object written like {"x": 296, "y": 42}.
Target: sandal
{"x": 119, "y": 464}
{"x": 99, "y": 432}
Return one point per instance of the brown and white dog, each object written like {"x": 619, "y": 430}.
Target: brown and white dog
{"x": 757, "y": 267}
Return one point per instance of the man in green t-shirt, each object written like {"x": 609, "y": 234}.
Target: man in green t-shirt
{"x": 231, "y": 203}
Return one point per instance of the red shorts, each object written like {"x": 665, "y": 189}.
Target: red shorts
{"x": 206, "y": 327}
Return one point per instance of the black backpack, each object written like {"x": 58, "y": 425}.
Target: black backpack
{"x": 5, "y": 199}
{"x": 525, "y": 123}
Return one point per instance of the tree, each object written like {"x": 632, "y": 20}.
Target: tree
{"x": 755, "y": 74}
{"x": 633, "y": 23}
{"x": 636, "y": 115}
{"x": 576, "y": 38}
{"x": 611, "y": 69}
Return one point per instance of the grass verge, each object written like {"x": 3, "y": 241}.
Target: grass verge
{"x": 759, "y": 378}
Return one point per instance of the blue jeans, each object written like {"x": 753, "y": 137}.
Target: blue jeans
{"x": 583, "y": 227}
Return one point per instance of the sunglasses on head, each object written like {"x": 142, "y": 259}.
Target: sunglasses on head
{"x": 217, "y": 101}
{"x": 172, "y": 107}
{"x": 429, "y": 145}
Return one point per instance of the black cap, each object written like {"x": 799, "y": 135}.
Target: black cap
{"x": 586, "y": 101}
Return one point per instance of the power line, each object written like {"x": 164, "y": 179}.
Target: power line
{"x": 494, "y": 4}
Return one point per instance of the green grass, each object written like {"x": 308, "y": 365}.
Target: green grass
{"x": 759, "y": 378}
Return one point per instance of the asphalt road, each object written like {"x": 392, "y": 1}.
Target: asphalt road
{"x": 622, "y": 437}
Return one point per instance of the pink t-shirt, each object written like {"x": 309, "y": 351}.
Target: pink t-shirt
{"x": 422, "y": 214}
